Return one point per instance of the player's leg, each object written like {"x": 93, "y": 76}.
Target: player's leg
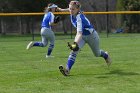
{"x": 51, "y": 38}
{"x": 39, "y": 44}
{"x": 71, "y": 60}
{"x": 93, "y": 42}
{"x": 70, "y": 63}
{"x": 43, "y": 43}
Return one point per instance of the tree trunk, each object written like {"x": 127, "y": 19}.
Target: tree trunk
{"x": 3, "y": 32}
{"x": 19, "y": 21}
{"x": 28, "y": 25}
{"x": 64, "y": 29}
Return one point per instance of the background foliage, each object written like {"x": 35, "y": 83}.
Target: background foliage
{"x": 24, "y": 24}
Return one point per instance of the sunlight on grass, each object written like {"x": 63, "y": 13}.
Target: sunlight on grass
{"x": 23, "y": 71}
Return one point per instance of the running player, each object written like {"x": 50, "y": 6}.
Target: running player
{"x": 46, "y": 32}
{"x": 85, "y": 34}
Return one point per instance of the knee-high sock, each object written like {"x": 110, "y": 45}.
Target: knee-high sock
{"x": 104, "y": 55}
{"x": 50, "y": 49}
{"x": 71, "y": 60}
{"x": 40, "y": 44}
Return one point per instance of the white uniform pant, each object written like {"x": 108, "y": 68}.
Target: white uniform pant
{"x": 47, "y": 35}
{"x": 93, "y": 41}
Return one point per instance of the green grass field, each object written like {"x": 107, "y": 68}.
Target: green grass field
{"x": 23, "y": 71}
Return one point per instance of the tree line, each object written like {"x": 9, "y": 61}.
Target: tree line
{"x": 28, "y": 5}
{"x": 130, "y": 23}
{"x": 24, "y": 23}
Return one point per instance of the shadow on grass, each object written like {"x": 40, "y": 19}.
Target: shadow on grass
{"x": 118, "y": 72}
{"x": 107, "y": 75}
{"x": 122, "y": 73}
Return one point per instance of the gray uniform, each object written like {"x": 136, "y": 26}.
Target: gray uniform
{"x": 89, "y": 36}
{"x": 93, "y": 41}
{"x": 47, "y": 35}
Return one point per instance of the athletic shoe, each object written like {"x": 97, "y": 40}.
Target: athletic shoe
{"x": 64, "y": 71}
{"x": 29, "y": 45}
{"x": 108, "y": 60}
{"x": 49, "y": 56}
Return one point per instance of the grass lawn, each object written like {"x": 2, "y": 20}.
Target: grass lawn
{"x": 23, "y": 71}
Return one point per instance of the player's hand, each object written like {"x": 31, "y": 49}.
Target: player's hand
{"x": 58, "y": 9}
{"x": 73, "y": 46}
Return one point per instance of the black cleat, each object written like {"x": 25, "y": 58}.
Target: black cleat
{"x": 64, "y": 71}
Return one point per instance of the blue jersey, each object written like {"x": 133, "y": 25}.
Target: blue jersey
{"x": 82, "y": 24}
{"x": 48, "y": 19}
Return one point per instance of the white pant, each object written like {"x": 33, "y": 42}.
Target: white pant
{"x": 93, "y": 41}
{"x": 47, "y": 35}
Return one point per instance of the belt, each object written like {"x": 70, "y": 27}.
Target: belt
{"x": 90, "y": 31}
{"x": 45, "y": 27}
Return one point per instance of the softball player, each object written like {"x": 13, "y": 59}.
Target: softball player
{"x": 46, "y": 32}
{"x": 85, "y": 34}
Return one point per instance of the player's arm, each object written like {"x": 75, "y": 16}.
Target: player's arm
{"x": 74, "y": 46}
{"x": 51, "y": 24}
{"x": 78, "y": 37}
{"x": 54, "y": 20}
{"x": 63, "y": 10}
{"x": 79, "y": 30}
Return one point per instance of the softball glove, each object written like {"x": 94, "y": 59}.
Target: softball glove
{"x": 73, "y": 46}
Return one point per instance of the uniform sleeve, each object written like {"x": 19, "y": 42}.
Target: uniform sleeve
{"x": 51, "y": 18}
{"x": 79, "y": 23}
